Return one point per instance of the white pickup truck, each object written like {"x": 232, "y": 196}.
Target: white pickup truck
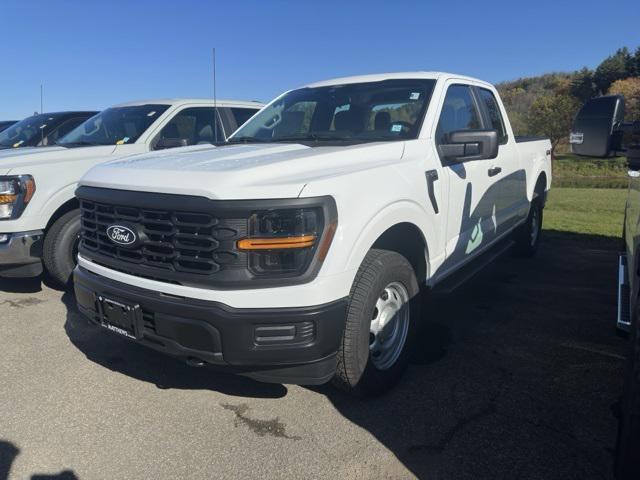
{"x": 39, "y": 216}
{"x": 297, "y": 253}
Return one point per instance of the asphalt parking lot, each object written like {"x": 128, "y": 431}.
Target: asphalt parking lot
{"x": 516, "y": 377}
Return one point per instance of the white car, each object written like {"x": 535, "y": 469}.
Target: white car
{"x": 297, "y": 253}
{"x": 39, "y": 216}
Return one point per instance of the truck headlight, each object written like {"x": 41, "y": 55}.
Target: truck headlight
{"x": 286, "y": 241}
{"x": 15, "y": 194}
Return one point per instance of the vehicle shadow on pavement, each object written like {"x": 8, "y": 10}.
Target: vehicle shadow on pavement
{"x": 514, "y": 375}
{"x": 27, "y": 285}
{"x": 129, "y": 358}
{"x": 8, "y": 454}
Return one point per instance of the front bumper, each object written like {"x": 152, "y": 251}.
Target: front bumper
{"x": 283, "y": 345}
{"x": 21, "y": 254}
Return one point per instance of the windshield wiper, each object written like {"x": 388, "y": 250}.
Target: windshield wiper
{"x": 78, "y": 144}
{"x": 247, "y": 140}
{"x": 315, "y": 137}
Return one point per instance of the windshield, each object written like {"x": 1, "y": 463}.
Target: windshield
{"x": 360, "y": 112}
{"x": 26, "y": 132}
{"x": 114, "y": 126}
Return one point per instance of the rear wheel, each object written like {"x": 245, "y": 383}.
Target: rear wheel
{"x": 381, "y": 322}
{"x": 527, "y": 236}
{"x": 60, "y": 252}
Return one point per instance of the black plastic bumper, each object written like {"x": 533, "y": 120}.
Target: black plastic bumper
{"x": 20, "y": 255}
{"x": 283, "y": 345}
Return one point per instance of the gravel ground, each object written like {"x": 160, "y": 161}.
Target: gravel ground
{"x": 515, "y": 378}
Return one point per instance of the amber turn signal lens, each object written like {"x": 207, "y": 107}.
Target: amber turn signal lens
{"x": 7, "y": 199}
{"x": 276, "y": 243}
{"x": 29, "y": 189}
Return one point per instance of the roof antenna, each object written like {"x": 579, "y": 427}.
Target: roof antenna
{"x": 215, "y": 104}
{"x": 41, "y": 112}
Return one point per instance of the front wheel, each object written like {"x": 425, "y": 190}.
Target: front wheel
{"x": 381, "y": 324}
{"x": 60, "y": 252}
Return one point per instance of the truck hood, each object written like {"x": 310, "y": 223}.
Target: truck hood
{"x": 19, "y": 158}
{"x": 240, "y": 171}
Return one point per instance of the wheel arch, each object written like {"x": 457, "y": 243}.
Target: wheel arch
{"x": 67, "y": 206}
{"x": 403, "y": 227}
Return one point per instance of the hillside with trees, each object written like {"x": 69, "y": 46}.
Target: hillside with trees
{"x": 546, "y": 104}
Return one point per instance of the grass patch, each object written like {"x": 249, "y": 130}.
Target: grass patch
{"x": 586, "y": 211}
{"x": 573, "y": 171}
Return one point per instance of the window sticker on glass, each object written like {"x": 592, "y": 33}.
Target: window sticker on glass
{"x": 414, "y": 96}
{"x": 123, "y": 141}
{"x": 17, "y": 144}
{"x": 151, "y": 113}
{"x": 396, "y": 128}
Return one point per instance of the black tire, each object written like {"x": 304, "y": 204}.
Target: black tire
{"x": 60, "y": 247}
{"x": 357, "y": 372}
{"x": 627, "y": 466}
{"x": 527, "y": 236}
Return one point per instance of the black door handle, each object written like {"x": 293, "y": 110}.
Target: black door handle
{"x": 494, "y": 171}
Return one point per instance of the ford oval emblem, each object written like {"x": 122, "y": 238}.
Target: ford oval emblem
{"x": 121, "y": 235}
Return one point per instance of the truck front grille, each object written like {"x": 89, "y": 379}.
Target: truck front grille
{"x": 195, "y": 243}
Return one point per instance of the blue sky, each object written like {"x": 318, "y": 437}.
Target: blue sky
{"x": 91, "y": 54}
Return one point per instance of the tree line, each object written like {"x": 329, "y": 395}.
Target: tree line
{"x": 546, "y": 104}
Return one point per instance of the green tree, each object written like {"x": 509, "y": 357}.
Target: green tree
{"x": 582, "y": 86}
{"x": 551, "y": 115}
{"x": 630, "y": 89}
{"x": 636, "y": 62}
{"x": 615, "y": 67}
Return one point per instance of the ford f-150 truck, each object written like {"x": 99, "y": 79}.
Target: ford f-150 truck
{"x": 600, "y": 130}
{"x": 297, "y": 252}
{"x": 39, "y": 214}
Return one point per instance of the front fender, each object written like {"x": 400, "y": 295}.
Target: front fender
{"x": 357, "y": 238}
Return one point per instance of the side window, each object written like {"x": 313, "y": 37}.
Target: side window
{"x": 459, "y": 112}
{"x": 191, "y": 126}
{"x": 497, "y": 123}
{"x": 241, "y": 115}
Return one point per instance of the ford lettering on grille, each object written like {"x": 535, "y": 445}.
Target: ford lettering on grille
{"x": 121, "y": 235}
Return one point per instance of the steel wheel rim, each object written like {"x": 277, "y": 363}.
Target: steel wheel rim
{"x": 389, "y": 326}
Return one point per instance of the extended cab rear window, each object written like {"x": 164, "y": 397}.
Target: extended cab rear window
{"x": 497, "y": 123}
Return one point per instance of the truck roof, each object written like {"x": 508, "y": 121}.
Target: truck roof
{"x": 392, "y": 76}
{"x": 182, "y": 101}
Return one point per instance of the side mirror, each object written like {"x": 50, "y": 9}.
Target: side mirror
{"x": 466, "y": 145}
{"x": 593, "y": 133}
{"x": 171, "y": 143}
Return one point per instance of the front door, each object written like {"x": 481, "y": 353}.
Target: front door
{"x": 473, "y": 198}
